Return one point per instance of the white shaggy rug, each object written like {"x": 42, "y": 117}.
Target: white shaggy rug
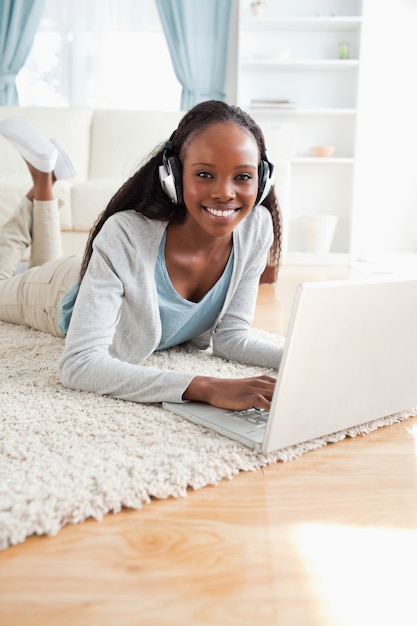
{"x": 66, "y": 455}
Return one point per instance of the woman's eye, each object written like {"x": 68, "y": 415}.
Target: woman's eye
{"x": 208, "y": 175}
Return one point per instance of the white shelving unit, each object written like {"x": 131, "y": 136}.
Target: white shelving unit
{"x": 293, "y": 53}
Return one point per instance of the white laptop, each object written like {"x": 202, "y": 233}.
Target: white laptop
{"x": 349, "y": 358}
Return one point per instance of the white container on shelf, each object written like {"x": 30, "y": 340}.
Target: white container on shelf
{"x": 319, "y": 232}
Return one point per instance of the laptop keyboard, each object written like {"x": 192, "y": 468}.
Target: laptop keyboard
{"x": 254, "y": 416}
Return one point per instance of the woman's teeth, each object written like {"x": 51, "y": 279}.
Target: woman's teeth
{"x": 219, "y": 213}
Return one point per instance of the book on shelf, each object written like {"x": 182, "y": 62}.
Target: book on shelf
{"x": 272, "y": 103}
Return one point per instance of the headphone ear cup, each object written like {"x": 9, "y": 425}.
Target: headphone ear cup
{"x": 265, "y": 180}
{"x": 176, "y": 171}
{"x": 170, "y": 176}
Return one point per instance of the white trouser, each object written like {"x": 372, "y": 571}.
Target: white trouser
{"x": 33, "y": 297}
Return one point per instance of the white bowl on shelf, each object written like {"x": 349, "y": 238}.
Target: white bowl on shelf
{"x": 322, "y": 151}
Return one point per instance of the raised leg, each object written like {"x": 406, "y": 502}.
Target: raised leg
{"x": 33, "y": 297}
{"x": 35, "y": 223}
{"x": 46, "y": 229}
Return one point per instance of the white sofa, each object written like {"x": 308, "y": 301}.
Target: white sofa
{"x": 107, "y": 146}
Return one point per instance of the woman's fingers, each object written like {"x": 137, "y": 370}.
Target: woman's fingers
{"x": 232, "y": 393}
{"x": 244, "y": 393}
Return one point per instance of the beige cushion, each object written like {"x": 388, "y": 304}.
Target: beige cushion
{"x": 89, "y": 199}
{"x": 121, "y": 140}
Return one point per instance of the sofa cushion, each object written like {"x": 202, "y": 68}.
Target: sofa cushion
{"x": 89, "y": 198}
{"x": 121, "y": 140}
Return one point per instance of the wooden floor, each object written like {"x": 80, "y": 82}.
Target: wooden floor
{"x": 329, "y": 539}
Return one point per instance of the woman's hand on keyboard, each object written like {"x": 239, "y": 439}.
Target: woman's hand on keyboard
{"x": 232, "y": 393}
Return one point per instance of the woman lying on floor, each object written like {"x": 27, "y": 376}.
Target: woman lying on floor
{"x": 175, "y": 257}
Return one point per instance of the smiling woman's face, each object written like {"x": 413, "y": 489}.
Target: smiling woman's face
{"x": 220, "y": 178}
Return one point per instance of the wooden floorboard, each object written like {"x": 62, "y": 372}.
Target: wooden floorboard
{"x": 328, "y": 539}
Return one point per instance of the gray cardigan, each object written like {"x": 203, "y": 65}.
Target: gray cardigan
{"x": 115, "y": 324}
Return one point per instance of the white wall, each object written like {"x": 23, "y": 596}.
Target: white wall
{"x": 386, "y": 174}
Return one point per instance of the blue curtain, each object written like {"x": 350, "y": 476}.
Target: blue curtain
{"x": 197, "y": 35}
{"x": 19, "y": 21}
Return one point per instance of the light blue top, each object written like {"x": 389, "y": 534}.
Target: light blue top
{"x": 182, "y": 319}
{"x": 66, "y": 308}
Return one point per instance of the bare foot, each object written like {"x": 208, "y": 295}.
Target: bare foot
{"x": 42, "y": 184}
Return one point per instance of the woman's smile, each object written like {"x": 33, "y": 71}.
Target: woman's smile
{"x": 223, "y": 213}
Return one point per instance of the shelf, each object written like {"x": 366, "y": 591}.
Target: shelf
{"x": 320, "y": 161}
{"x": 325, "y": 112}
{"x": 302, "y": 23}
{"x": 300, "y": 64}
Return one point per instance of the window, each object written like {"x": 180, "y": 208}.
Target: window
{"x": 100, "y": 53}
